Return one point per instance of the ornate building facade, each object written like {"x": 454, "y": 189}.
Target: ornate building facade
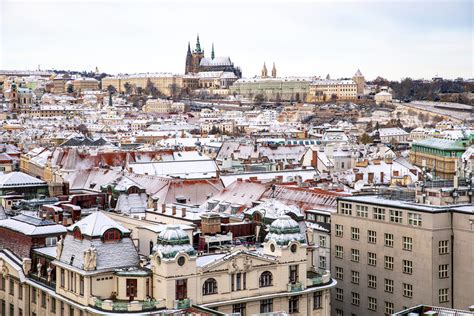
{"x": 196, "y": 61}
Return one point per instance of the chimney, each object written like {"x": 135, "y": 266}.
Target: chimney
{"x": 371, "y": 177}
{"x": 163, "y": 208}
{"x": 314, "y": 159}
{"x": 183, "y": 212}
{"x": 173, "y": 210}
{"x": 381, "y": 177}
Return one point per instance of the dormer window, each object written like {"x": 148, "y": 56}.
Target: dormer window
{"x": 77, "y": 234}
{"x": 111, "y": 235}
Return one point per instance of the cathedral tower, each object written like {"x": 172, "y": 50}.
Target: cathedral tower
{"x": 189, "y": 60}
{"x": 274, "y": 71}
{"x": 360, "y": 81}
{"x": 264, "y": 71}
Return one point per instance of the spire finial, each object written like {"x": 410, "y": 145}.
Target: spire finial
{"x": 212, "y": 53}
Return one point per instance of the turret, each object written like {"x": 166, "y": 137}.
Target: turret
{"x": 274, "y": 71}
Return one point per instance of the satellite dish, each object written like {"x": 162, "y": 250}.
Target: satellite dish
{"x": 358, "y": 185}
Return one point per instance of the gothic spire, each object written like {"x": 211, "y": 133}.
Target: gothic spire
{"x": 198, "y": 45}
{"x": 189, "y": 48}
{"x": 274, "y": 71}
{"x": 212, "y": 53}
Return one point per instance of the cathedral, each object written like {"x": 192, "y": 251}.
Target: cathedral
{"x": 196, "y": 62}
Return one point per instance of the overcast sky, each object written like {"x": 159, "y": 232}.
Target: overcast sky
{"x": 393, "y": 39}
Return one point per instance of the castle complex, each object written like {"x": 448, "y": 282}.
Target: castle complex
{"x": 196, "y": 62}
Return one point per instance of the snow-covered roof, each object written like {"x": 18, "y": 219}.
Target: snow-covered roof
{"x": 216, "y": 61}
{"x": 172, "y": 241}
{"x": 285, "y": 230}
{"x": 32, "y": 226}
{"x": 274, "y": 209}
{"x": 96, "y": 224}
{"x": 19, "y": 179}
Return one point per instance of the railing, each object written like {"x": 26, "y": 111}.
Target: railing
{"x": 183, "y": 304}
{"x": 295, "y": 287}
{"x": 125, "y": 306}
{"x": 319, "y": 277}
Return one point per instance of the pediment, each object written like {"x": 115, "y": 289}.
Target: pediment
{"x": 239, "y": 261}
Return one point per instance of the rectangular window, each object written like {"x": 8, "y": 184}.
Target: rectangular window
{"x": 12, "y": 309}
{"x": 443, "y": 295}
{"x": 51, "y": 241}
{"x": 317, "y": 300}
{"x": 11, "y": 289}
{"x": 407, "y": 266}
{"x": 339, "y": 273}
{"x": 372, "y": 303}
{"x": 388, "y": 241}
{"x": 63, "y": 278}
{"x": 362, "y": 211}
{"x": 379, "y": 213}
{"x": 389, "y": 285}
{"x": 396, "y": 216}
{"x": 371, "y": 236}
{"x": 20, "y": 291}
{"x": 355, "y": 277}
{"x": 266, "y": 306}
{"x": 339, "y": 312}
{"x": 414, "y": 219}
{"x": 443, "y": 271}
{"x": 372, "y": 259}
{"x": 81, "y": 285}
{"x": 339, "y": 230}
{"x": 43, "y": 299}
{"x": 407, "y": 290}
{"x": 355, "y": 298}
{"x": 389, "y": 308}
{"x": 33, "y": 295}
{"x": 372, "y": 281}
{"x": 181, "y": 289}
{"x": 293, "y": 275}
{"x": 339, "y": 294}
{"x": 322, "y": 262}
{"x": 443, "y": 247}
{"x": 53, "y": 305}
{"x": 322, "y": 241}
{"x": 355, "y": 233}
{"x": 339, "y": 252}
{"x": 2, "y": 283}
{"x": 388, "y": 262}
{"x": 407, "y": 243}
{"x": 355, "y": 255}
{"x": 346, "y": 208}
{"x": 293, "y": 304}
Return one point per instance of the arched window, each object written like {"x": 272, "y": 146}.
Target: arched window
{"x": 111, "y": 235}
{"x": 77, "y": 233}
{"x": 209, "y": 287}
{"x": 266, "y": 279}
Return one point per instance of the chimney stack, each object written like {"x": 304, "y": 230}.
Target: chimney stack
{"x": 163, "y": 208}
{"x": 183, "y": 212}
{"x": 173, "y": 210}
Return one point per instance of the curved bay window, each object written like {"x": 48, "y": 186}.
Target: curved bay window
{"x": 111, "y": 235}
{"x": 266, "y": 279}
{"x": 77, "y": 233}
{"x": 209, "y": 287}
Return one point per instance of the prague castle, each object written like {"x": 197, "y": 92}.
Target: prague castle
{"x": 196, "y": 62}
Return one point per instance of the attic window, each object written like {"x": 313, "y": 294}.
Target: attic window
{"x": 112, "y": 234}
{"x": 77, "y": 234}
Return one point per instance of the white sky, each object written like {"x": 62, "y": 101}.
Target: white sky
{"x": 393, "y": 39}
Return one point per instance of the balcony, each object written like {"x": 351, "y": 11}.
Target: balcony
{"x": 317, "y": 277}
{"x": 182, "y": 304}
{"x": 43, "y": 281}
{"x": 295, "y": 287}
{"x": 126, "y": 306}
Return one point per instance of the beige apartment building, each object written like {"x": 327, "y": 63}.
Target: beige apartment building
{"x": 163, "y": 106}
{"x": 96, "y": 270}
{"x": 388, "y": 255}
{"x": 328, "y": 89}
{"x": 164, "y": 82}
